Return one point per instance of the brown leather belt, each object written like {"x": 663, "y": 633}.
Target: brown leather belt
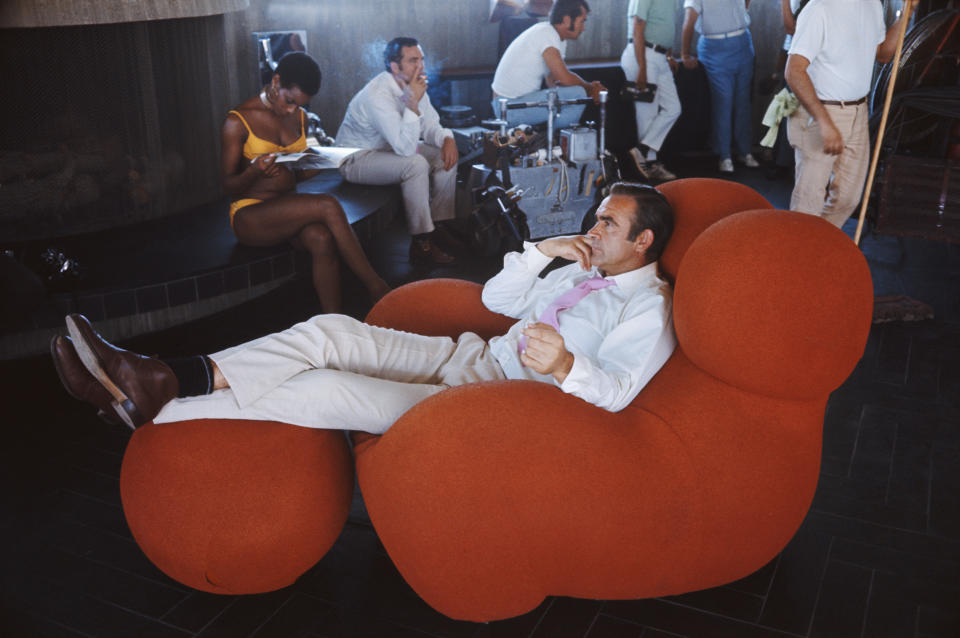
{"x": 844, "y": 102}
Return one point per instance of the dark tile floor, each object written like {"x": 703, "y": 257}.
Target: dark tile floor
{"x": 878, "y": 555}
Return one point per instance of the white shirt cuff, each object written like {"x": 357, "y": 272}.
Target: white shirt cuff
{"x": 534, "y": 260}
{"x": 578, "y": 379}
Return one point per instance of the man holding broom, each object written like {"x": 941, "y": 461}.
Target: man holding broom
{"x": 829, "y": 70}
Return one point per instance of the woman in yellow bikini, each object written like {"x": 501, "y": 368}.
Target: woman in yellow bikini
{"x": 266, "y": 208}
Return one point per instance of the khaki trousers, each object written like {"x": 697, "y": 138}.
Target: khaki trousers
{"x": 428, "y": 189}
{"x": 830, "y": 185}
{"x": 335, "y": 372}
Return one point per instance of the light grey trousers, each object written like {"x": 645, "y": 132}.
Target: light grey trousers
{"x": 335, "y": 372}
{"x": 428, "y": 189}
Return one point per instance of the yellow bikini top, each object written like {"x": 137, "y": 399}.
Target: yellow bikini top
{"x": 257, "y": 146}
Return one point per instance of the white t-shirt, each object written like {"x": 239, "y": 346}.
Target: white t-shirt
{"x": 522, "y": 67}
{"x": 840, "y": 38}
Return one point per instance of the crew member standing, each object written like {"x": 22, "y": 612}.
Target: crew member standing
{"x": 829, "y": 70}
{"x": 651, "y": 29}
{"x": 726, "y": 49}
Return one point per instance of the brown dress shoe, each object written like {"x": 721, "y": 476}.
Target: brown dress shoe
{"x": 79, "y": 383}
{"x": 138, "y": 386}
{"x": 428, "y": 253}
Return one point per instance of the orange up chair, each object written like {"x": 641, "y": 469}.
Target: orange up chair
{"x": 489, "y": 497}
{"x": 235, "y": 507}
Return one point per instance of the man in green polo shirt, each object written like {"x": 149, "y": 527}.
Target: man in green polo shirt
{"x": 651, "y": 28}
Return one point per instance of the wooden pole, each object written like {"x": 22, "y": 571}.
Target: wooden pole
{"x": 904, "y": 19}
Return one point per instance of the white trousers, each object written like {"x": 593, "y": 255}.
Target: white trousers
{"x": 428, "y": 189}
{"x": 335, "y": 372}
{"x": 656, "y": 118}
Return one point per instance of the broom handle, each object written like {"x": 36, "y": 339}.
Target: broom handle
{"x": 904, "y": 19}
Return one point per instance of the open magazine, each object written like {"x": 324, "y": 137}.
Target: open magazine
{"x": 317, "y": 157}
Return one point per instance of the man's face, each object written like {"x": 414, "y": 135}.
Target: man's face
{"x": 575, "y": 26}
{"x": 611, "y": 251}
{"x": 411, "y": 64}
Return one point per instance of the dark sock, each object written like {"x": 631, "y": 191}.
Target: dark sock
{"x": 423, "y": 239}
{"x": 195, "y": 375}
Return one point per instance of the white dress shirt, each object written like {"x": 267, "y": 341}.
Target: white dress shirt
{"x": 377, "y": 118}
{"x": 619, "y": 336}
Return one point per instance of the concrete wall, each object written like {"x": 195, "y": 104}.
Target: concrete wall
{"x": 347, "y": 37}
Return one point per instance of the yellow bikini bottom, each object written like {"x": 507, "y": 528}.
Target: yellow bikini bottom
{"x": 240, "y": 203}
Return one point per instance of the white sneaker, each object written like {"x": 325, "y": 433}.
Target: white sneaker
{"x": 726, "y": 165}
{"x": 750, "y": 161}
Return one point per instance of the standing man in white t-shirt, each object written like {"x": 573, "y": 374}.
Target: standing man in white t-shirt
{"x": 829, "y": 69}
{"x": 536, "y": 55}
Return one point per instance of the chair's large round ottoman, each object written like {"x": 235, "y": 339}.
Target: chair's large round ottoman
{"x": 235, "y": 507}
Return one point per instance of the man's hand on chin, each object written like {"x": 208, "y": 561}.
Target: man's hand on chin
{"x": 573, "y": 248}
{"x": 546, "y": 352}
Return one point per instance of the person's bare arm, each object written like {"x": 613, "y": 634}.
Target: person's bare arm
{"x": 237, "y": 174}
{"x": 789, "y": 22}
{"x": 640, "y": 51}
{"x": 888, "y": 47}
{"x": 686, "y": 38}
{"x": 561, "y": 75}
{"x": 799, "y": 81}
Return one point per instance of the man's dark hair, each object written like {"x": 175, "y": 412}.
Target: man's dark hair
{"x": 394, "y": 50}
{"x": 650, "y": 210}
{"x": 563, "y": 8}
{"x": 296, "y": 68}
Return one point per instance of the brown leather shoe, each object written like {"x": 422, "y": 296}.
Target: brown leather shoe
{"x": 428, "y": 253}
{"x": 79, "y": 383}
{"x": 138, "y": 386}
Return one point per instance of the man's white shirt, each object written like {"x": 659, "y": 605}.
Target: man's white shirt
{"x": 620, "y": 336}
{"x": 378, "y": 118}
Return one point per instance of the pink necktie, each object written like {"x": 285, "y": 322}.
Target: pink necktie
{"x": 568, "y": 299}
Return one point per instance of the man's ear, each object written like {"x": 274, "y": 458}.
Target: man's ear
{"x": 394, "y": 68}
{"x": 643, "y": 241}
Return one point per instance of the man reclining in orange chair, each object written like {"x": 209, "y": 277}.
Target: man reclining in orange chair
{"x": 614, "y": 333}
